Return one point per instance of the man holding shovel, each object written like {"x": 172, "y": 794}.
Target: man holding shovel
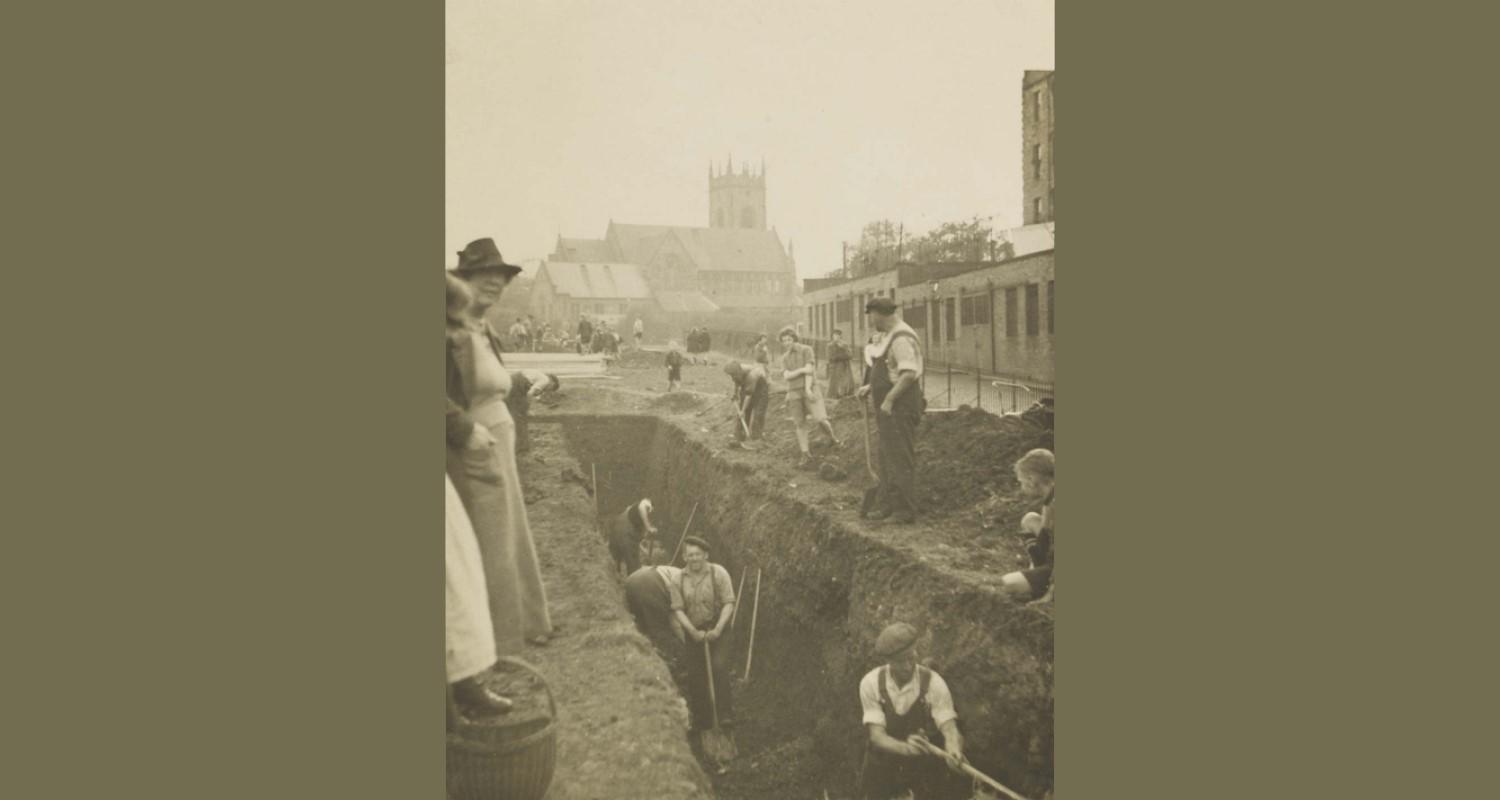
{"x": 892, "y": 384}
{"x": 752, "y": 396}
{"x": 703, "y": 601}
{"x": 901, "y": 699}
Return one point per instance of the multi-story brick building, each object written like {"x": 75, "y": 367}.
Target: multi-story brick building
{"x": 1038, "y": 127}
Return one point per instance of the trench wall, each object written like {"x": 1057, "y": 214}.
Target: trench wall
{"x": 826, "y": 592}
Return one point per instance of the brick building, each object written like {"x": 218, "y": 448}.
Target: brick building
{"x": 1038, "y": 126}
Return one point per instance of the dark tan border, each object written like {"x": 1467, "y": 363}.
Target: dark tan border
{"x": 223, "y": 509}
{"x": 227, "y": 504}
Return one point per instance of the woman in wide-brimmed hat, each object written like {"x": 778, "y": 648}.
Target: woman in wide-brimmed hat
{"x": 479, "y": 383}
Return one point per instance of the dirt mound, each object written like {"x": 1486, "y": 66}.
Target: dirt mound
{"x": 965, "y": 458}
{"x": 641, "y": 359}
{"x": 677, "y": 402}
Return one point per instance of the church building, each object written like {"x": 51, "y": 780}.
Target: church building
{"x": 734, "y": 264}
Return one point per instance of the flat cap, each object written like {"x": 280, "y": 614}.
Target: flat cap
{"x": 894, "y": 639}
{"x": 880, "y": 305}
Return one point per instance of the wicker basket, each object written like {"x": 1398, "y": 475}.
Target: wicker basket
{"x": 504, "y": 762}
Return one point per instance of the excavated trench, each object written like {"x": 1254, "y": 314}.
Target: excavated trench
{"x": 826, "y": 591}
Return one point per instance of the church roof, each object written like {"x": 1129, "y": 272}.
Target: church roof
{"x": 756, "y": 300}
{"x": 712, "y": 249}
{"x": 636, "y": 243}
{"x": 734, "y": 249}
{"x": 688, "y": 301}
{"x": 611, "y": 280}
{"x": 582, "y": 250}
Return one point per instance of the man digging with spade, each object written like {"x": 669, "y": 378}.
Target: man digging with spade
{"x": 901, "y": 699}
{"x": 752, "y": 395}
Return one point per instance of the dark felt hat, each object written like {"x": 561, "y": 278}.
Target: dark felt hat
{"x": 881, "y": 305}
{"x": 895, "y": 639}
{"x": 481, "y": 255}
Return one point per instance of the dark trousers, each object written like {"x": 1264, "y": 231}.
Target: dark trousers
{"x": 648, "y": 599}
{"x": 884, "y": 776}
{"x": 756, "y": 418}
{"x": 697, "y": 680}
{"x": 898, "y": 456}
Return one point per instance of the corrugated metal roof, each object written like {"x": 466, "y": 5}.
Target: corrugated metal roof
{"x": 611, "y": 280}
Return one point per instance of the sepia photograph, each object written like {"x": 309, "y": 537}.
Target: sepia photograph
{"x": 751, "y": 399}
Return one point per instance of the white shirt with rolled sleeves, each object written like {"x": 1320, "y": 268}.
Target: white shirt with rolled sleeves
{"x": 901, "y": 353}
{"x": 903, "y": 697}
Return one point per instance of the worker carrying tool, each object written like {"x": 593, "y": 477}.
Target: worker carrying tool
{"x": 894, "y": 386}
{"x": 901, "y": 699}
{"x": 752, "y": 395}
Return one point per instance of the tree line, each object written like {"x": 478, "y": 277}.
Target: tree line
{"x": 883, "y": 243}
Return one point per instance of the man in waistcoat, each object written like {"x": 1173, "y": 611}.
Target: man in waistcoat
{"x": 893, "y": 384}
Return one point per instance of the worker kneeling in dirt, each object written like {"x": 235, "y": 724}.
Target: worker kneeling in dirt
{"x": 900, "y": 699}
{"x": 752, "y": 395}
{"x": 703, "y": 601}
{"x": 648, "y": 595}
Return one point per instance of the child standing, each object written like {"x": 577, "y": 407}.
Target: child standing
{"x": 674, "y": 367}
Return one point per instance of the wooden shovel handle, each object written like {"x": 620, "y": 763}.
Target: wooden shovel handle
{"x": 713, "y": 698}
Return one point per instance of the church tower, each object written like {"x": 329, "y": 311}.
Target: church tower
{"x": 737, "y": 199}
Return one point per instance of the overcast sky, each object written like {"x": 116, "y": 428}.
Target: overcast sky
{"x": 565, "y": 114}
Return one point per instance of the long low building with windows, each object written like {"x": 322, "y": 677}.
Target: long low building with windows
{"x": 996, "y": 317}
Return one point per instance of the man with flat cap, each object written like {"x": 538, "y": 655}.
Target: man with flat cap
{"x": 893, "y": 384}
{"x": 902, "y": 698}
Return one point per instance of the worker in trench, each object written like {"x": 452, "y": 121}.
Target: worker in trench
{"x": 752, "y": 395}
{"x": 900, "y": 699}
{"x": 703, "y": 601}
{"x": 893, "y": 384}
{"x": 648, "y": 595}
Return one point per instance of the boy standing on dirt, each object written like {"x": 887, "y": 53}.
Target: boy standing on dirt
{"x": 901, "y": 699}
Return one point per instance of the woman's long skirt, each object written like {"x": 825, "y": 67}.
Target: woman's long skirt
{"x": 470, "y": 635}
{"x": 518, "y": 602}
{"x": 840, "y": 379}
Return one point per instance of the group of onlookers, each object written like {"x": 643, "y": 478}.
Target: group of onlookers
{"x": 526, "y": 335}
{"x": 698, "y": 340}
